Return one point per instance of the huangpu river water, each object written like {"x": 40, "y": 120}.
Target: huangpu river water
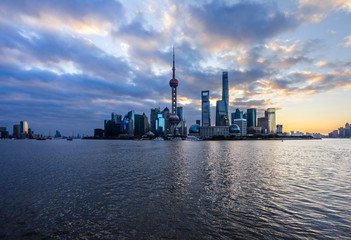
{"x": 88, "y": 189}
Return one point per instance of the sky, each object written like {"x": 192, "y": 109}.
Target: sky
{"x": 67, "y": 64}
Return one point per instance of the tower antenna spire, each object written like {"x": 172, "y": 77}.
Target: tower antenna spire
{"x": 173, "y": 69}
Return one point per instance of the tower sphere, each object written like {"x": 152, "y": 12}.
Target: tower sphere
{"x": 173, "y": 119}
{"x": 173, "y": 82}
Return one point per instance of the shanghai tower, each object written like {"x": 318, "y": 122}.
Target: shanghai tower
{"x": 225, "y": 93}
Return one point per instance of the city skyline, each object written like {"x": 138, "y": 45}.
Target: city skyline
{"x": 66, "y": 65}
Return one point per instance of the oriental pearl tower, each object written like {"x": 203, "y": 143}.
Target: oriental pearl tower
{"x": 173, "y": 118}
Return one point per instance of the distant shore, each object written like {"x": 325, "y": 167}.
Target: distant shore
{"x": 216, "y": 138}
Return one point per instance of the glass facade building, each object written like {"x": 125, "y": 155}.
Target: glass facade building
{"x": 242, "y": 123}
{"x": 225, "y": 93}
{"x": 153, "y": 116}
{"x": 237, "y": 115}
{"x": 139, "y": 125}
{"x": 251, "y": 117}
{"x": 221, "y": 117}
{"x": 271, "y": 120}
{"x": 112, "y": 129}
{"x": 160, "y": 124}
{"x": 131, "y": 118}
{"x": 24, "y": 128}
{"x": 116, "y": 118}
{"x": 206, "y": 117}
{"x": 16, "y": 131}
{"x": 263, "y": 123}
{"x": 279, "y": 129}
{"x": 180, "y": 113}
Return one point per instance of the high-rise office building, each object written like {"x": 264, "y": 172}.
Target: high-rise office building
{"x": 205, "y": 111}
{"x": 279, "y": 129}
{"x": 242, "y": 123}
{"x": 160, "y": 124}
{"x": 3, "y": 132}
{"x": 116, "y": 117}
{"x": 251, "y": 117}
{"x": 112, "y": 129}
{"x": 263, "y": 123}
{"x": 146, "y": 123}
{"x": 124, "y": 126}
{"x": 237, "y": 115}
{"x": 16, "y": 131}
{"x": 153, "y": 116}
{"x": 225, "y": 93}
{"x": 182, "y": 126}
{"x": 166, "y": 114}
{"x": 139, "y": 125}
{"x": 23, "y": 129}
{"x": 131, "y": 127}
{"x": 180, "y": 113}
{"x": 131, "y": 118}
{"x": 271, "y": 120}
{"x": 221, "y": 117}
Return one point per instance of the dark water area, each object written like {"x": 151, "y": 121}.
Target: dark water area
{"x": 88, "y": 189}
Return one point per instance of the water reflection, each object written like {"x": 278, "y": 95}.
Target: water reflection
{"x": 153, "y": 190}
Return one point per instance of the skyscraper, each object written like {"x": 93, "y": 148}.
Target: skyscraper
{"x": 182, "y": 127}
{"x": 173, "y": 83}
{"x": 221, "y": 117}
{"x": 206, "y": 117}
{"x": 242, "y": 123}
{"x": 139, "y": 125}
{"x": 251, "y": 117}
{"x": 166, "y": 114}
{"x": 180, "y": 113}
{"x": 16, "y": 131}
{"x": 3, "y": 132}
{"x": 116, "y": 117}
{"x": 131, "y": 118}
{"x": 153, "y": 116}
{"x": 112, "y": 129}
{"x": 279, "y": 129}
{"x": 238, "y": 114}
{"x": 225, "y": 93}
{"x": 146, "y": 123}
{"x": 262, "y": 122}
{"x": 271, "y": 121}
{"x": 23, "y": 129}
{"x": 160, "y": 124}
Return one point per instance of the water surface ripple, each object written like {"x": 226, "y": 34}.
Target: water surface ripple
{"x": 175, "y": 190}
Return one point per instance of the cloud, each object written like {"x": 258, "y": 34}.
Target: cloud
{"x": 244, "y": 23}
{"x": 309, "y": 83}
{"x": 348, "y": 41}
{"x": 339, "y": 64}
{"x": 63, "y": 58}
{"x": 316, "y": 10}
{"x": 92, "y": 17}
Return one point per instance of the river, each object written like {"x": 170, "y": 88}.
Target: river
{"x": 115, "y": 189}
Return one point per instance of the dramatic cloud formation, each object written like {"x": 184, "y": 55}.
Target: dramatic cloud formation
{"x": 67, "y": 64}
